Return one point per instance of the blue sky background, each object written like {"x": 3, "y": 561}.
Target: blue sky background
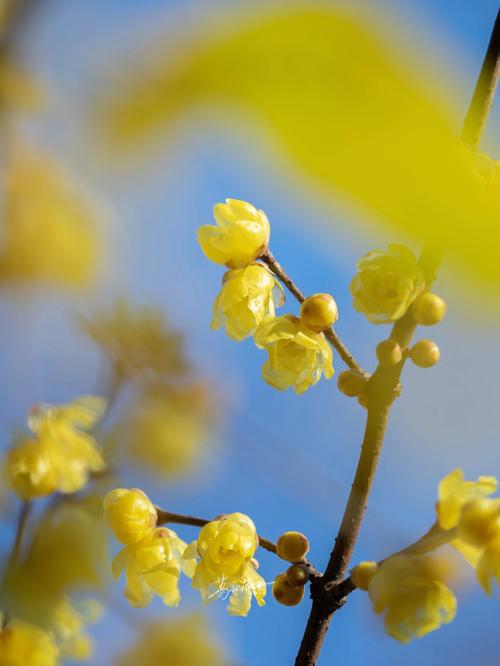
{"x": 286, "y": 460}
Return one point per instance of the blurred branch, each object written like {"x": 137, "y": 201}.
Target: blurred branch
{"x": 269, "y": 259}
{"x": 22, "y": 521}
{"x": 329, "y": 591}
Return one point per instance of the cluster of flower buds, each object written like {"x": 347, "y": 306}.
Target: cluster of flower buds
{"x": 288, "y": 587}
{"x": 298, "y": 353}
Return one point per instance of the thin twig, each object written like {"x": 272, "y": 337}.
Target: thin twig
{"x": 270, "y": 260}
{"x": 180, "y": 519}
{"x": 329, "y": 592}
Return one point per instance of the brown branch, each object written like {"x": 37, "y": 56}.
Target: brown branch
{"x": 329, "y": 592}
{"x": 179, "y": 519}
{"x": 275, "y": 267}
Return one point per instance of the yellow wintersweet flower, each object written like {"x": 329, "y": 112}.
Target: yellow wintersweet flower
{"x": 153, "y": 566}
{"x": 166, "y": 429}
{"x": 248, "y": 296}
{"x": 28, "y": 469}
{"x": 49, "y": 233}
{"x": 386, "y": 284}
{"x": 297, "y": 356}
{"x": 410, "y": 590}
{"x": 226, "y": 567}
{"x": 130, "y": 514}
{"x": 187, "y": 641}
{"x": 454, "y": 492}
{"x": 22, "y": 643}
{"x": 68, "y": 624}
{"x": 137, "y": 341}
{"x": 241, "y": 236}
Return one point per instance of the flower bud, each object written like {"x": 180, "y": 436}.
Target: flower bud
{"x": 389, "y": 352}
{"x": 319, "y": 312}
{"x": 297, "y": 575}
{"x": 130, "y": 514}
{"x": 429, "y": 309}
{"x": 363, "y": 573}
{"x": 425, "y": 353}
{"x": 286, "y": 594}
{"x": 292, "y": 546}
{"x": 351, "y": 383}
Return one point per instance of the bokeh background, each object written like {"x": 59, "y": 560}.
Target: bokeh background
{"x": 285, "y": 460}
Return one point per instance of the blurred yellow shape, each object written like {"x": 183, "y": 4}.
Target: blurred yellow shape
{"x": 18, "y": 90}
{"x": 24, "y": 644}
{"x": 48, "y": 233}
{"x": 68, "y": 624}
{"x": 137, "y": 341}
{"x": 344, "y": 107}
{"x": 184, "y": 641}
{"x": 454, "y": 492}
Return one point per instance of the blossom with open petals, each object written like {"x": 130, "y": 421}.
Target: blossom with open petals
{"x": 387, "y": 283}
{"x": 23, "y": 644}
{"x": 410, "y": 591}
{"x": 153, "y": 566}
{"x": 226, "y": 567}
{"x": 248, "y": 296}
{"x": 454, "y": 492}
{"x": 241, "y": 235}
{"x": 297, "y": 356}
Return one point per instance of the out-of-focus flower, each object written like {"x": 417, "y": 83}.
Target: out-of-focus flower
{"x": 137, "y": 341}
{"x": 248, "y": 296}
{"x": 166, "y": 429}
{"x": 226, "y": 547}
{"x": 387, "y": 283}
{"x": 23, "y": 644}
{"x": 297, "y": 356}
{"x": 68, "y": 625}
{"x": 185, "y": 641}
{"x": 466, "y": 506}
{"x": 454, "y": 492}
{"x": 153, "y": 566}
{"x": 241, "y": 235}
{"x": 18, "y": 90}
{"x": 130, "y": 514}
{"x": 62, "y": 456}
{"x": 410, "y": 591}
{"x": 48, "y": 233}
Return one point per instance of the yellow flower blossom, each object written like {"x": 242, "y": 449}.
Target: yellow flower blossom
{"x": 226, "y": 567}
{"x": 248, "y": 296}
{"x": 68, "y": 624}
{"x": 410, "y": 591}
{"x": 137, "y": 341}
{"x": 23, "y": 644}
{"x": 186, "y": 640}
{"x": 241, "y": 236}
{"x": 454, "y": 492}
{"x": 130, "y": 514}
{"x": 386, "y": 284}
{"x": 153, "y": 566}
{"x": 297, "y": 356}
{"x": 166, "y": 429}
{"x": 28, "y": 469}
{"x": 49, "y": 234}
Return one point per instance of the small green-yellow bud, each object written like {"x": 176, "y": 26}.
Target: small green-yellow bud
{"x": 425, "y": 353}
{"x": 351, "y": 383}
{"x": 130, "y": 514}
{"x": 363, "y": 573}
{"x": 297, "y": 575}
{"x": 389, "y": 352}
{"x": 319, "y": 312}
{"x": 286, "y": 594}
{"x": 292, "y": 546}
{"x": 429, "y": 309}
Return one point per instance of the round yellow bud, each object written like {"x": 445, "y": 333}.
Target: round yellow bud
{"x": 297, "y": 575}
{"x": 319, "y": 312}
{"x": 363, "y": 573}
{"x": 351, "y": 383}
{"x": 286, "y": 594}
{"x": 425, "y": 353}
{"x": 130, "y": 514}
{"x": 479, "y": 521}
{"x": 429, "y": 309}
{"x": 389, "y": 352}
{"x": 292, "y": 546}
{"x": 29, "y": 470}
